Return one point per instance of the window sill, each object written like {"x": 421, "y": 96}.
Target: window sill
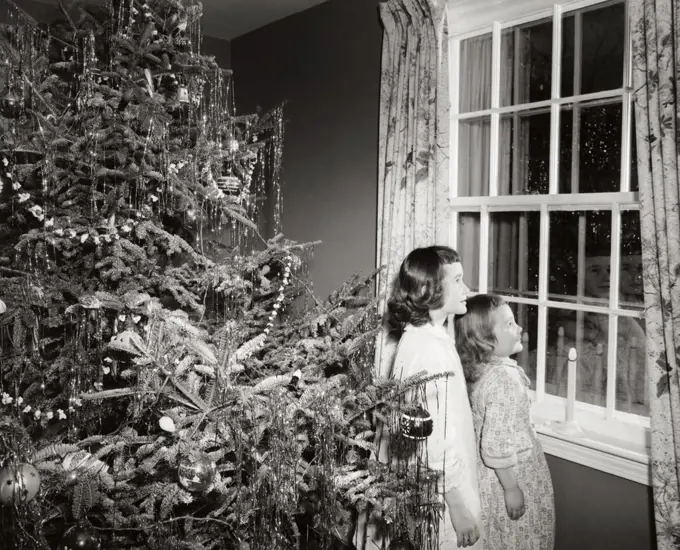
{"x": 625, "y": 456}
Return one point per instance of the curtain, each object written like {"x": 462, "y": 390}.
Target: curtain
{"x": 414, "y": 139}
{"x": 474, "y": 158}
{"x": 655, "y": 28}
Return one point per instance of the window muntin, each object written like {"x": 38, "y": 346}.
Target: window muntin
{"x": 543, "y": 169}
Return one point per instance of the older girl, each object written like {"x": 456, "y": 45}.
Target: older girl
{"x": 515, "y": 485}
{"x": 429, "y": 288}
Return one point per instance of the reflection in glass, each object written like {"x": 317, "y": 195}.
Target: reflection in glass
{"x": 524, "y": 153}
{"x": 527, "y": 318}
{"x": 514, "y": 253}
{"x": 475, "y": 64}
{"x": 630, "y": 278}
{"x": 599, "y": 35}
{"x": 590, "y": 148}
{"x": 468, "y": 247}
{"x": 588, "y": 333}
{"x": 526, "y": 63}
{"x": 473, "y": 157}
{"x": 579, "y": 257}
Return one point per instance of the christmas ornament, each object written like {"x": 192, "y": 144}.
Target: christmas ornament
{"x": 80, "y": 537}
{"x": 196, "y": 473}
{"x": 71, "y": 477}
{"x": 10, "y": 106}
{"x": 3, "y": 307}
{"x": 234, "y": 145}
{"x": 18, "y": 484}
{"x": 128, "y": 342}
{"x": 416, "y": 423}
{"x": 230, "y": 185}
{"x": 183, "y": 94}
{"x": 167, "y": 424}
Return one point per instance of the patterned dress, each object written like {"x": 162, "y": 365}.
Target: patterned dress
{"x": 501, "y": 412}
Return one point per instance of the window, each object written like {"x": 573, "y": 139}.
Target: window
{"x": 545, "y": 211}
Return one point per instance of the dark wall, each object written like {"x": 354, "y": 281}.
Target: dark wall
{"x": 220, "y": 49}
{"x": 325, "y": 62}
{"x": 598, "y": 511}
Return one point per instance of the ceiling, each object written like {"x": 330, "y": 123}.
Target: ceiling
{"x": 231, "y": 18}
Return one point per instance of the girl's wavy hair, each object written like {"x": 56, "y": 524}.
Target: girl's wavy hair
{"x": 475, "y": 339}
{"x": 419, "y": 287}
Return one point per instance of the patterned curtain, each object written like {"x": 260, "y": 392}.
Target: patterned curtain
{"x": 414, "y": 138}
{"x": 656, "y": 64}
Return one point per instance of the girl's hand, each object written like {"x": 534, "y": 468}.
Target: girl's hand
{"x": 514, "y": 502}
{"x": 465, "y": 526}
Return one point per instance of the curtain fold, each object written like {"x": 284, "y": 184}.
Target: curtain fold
{"x": 655, "y": 28}
{"x": 414, "y": 139}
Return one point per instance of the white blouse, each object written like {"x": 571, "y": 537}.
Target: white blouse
{"x": 452, "y": 446}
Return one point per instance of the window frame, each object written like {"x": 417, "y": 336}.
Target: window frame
{"x": 613, "y": 441}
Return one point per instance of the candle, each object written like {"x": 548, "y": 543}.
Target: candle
{"x": 571, "y": 385}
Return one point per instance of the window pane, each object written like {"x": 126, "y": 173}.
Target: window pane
{"x": 579, "y": 257}
{"x": 633, "y": 156}
{"x": 631, "y": 295}
{"x": 527, "y": 318}
{"x": 526, "y": 63}
{"x": 468, "y": 247}
{"x": 587, "y": 334}
{"x": 524, "y": 153}
{"x": 473, "y": 157}
{"x": 590, "y": 148}
{"x": 600, "y": 33}
{"x": 475, "y": 64}
{"x": 631, "y": 371}
{"x": 514, "y": 253}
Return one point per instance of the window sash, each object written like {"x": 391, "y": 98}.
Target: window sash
{"x": 616, "y": 202}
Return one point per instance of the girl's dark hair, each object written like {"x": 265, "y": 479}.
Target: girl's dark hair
{"x": 419, "y": 287}
{"x": 475, "y": 339}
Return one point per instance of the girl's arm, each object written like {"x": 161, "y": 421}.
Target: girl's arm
{"x": 446, "y": 449}
{"x": 514, "y": 497}
{"x": 496, "y": 442}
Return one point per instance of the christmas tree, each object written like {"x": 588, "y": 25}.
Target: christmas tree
{"x": 167, "y": 378}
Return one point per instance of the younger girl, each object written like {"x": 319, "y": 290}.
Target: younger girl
{"x": 429, "y": 288}
{"x": 514, "y": 480}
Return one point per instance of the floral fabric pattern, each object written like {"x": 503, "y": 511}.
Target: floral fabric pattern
{"x": 413, "y": 145}
{"x": 501, "y": 412}
{"x": 655, "y": 28}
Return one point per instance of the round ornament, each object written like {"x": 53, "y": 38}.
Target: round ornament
{"x": 18, "y": 483}
{"x": 416, "y": 423}
{"x": 10, "y": 105}
{"x": 80, "y": 537}
{"x": 196, "y": 473}
{"x": 71, "y": 477}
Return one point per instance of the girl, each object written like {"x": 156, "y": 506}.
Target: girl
{"x": 429, "y": 288}
{"x": 514, "y": 480}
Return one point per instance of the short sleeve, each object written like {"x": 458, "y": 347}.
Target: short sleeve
{"x": 501, "y": 398}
